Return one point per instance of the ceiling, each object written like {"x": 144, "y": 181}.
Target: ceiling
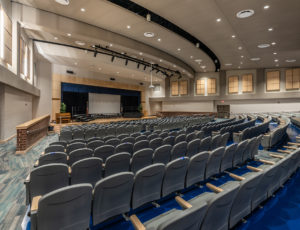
{"x": 198, "y": 18}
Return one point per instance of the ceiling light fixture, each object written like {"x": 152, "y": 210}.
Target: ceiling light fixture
{"x": 82, "y": 10}
{"x": 262, "y": 46}
{"x": 80, "y": 43}
{"x": 99, "y": 68}
{"x": 178, "y": 49}
{"x": 198, "y": 60}
{"x": 174, "y": 66}
{"x": 69, "y": 35}
{"x": 55, "y": 38}
{"x": 140, "y": 53}
{"x": 160, "y": 60}
{"x": 110, "y": 44}
{"x": 128, "y": 26}
{"x": 270, "y": 29}
{"x": 63, "y": 2}
{"x": 255, "y": 59}
{"x": 203, "y": 66}
{"x": 148, "y": 17}
{"x": 149, "y": 34}
{"x": 197, "y": 45}
{"x": 240, "y": 48}
{"x": 266, "y": 7}
{"x": 159, "y": 39}
{"x": 233, "y": 36}
{"x": 191, "y": 57}
{"x": 274, "y": 53}
{"x": 228, "y": 64}
{"x": 276, "y": 60}
{"x": 290, "y": 60}
{"x": 242, "y": 56}
{"x": 245, "y": 13}
{"x": 273, "y": 43}
{"x": 218, "y": 19}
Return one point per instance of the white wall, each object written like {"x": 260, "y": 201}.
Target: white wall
{"x": 207, "y": 106}
{"x": 43, "y": 105}
{"x": 264, "y": 107}
{"x": 17, "y": 109}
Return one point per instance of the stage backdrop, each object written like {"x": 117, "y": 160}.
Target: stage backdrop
{"x": 104, "y": 103}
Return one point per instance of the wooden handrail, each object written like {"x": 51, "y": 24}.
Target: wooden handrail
{"x": 283, "y": 151}
{"x": 35, "y": 203}
{"x": 290, "y": 147}
{"x": 32, "y": 122}
{"x": 293, "y": 143}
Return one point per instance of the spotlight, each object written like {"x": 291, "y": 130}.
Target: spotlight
{"x": 197, "y": 44}
{"x": 95, "y": 53}
{"x": 126, "y": 62}
{"x": 112, "y": 58}
{"x": 157, "y": 71}
{"x": 171, "y": 75}
{"x": 138, "y": 65}
{"x": 145, "y": 67}
{"x": 148, "y": 17}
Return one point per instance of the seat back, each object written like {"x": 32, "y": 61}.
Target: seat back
{"x": 74, "y": 146}
{"x": 140, "y": 159}
{"x": 142, "y": 144}
{"x": 189, "y": 137}
{"x": 179, "y": 150}
{"x": 65, "y": 135}
{"x": 147, "y": 185}
{"x": 94, "y": 144}
{"x": 205, "y": 144}
{"x": 113, "y": 142}
{"x": 112, "y": 196}
{"x": 87, "y": 171}
{"x": 116, "y": 163}
{"x": 224, "y": 140}
{"x": 214, "y": 162}
{"x": 55, "y": 148}
{"x": 169, "y": 140}
{"x": 175, "y": 175}
{"x": 79, "y": 154}
{"x": 256, "y": 146}
{"x": 155, "y": 143}
{"x": 227, "y": 159}
{"x": 196, "y": 168}
{"x": 238, "y": 156}
{"x": 63, "y": 143}
{"x": 162, "y": 154}
{"x": 51, "y": 158}
{"x": 47, "y": 178}
{"x": 124, "y": 147}
{"x": 141, "y": 137}
{"x": 249, "y": 149}
{"x": 104, "y": 152}
{"x": 56, "y": 209}
{"x": 78, "y": 134}
{"x": 216, "y": 141}
{"x": 128, "y": 139}
{"x": 180, "y": 138}
{"x": 193, "y": 147}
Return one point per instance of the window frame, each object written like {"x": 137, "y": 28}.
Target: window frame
{"x": 180, "y": 87}
{"x": 215, "y": 80}
{"x": 228, "y": 88}
{"x": 272, "y": 79}
{"x": 200, "y": 80}
{"x": 172, "y": 82}
{"x": 252, "y": 83}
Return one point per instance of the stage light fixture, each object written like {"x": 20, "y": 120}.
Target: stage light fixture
{"x": 95, "y": 53}
{"x": 138, "y": 66}
{"x": 112, "y": 58}
{"x": 145, "y": 67}
{"x": 126, "y": 62}
{"x": 157, "y": 71}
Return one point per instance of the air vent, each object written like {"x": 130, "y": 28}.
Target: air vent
{"x": 70, "y": 72}
{"x": 141, "y": 83}
{"x": 245, "y": 13}
{"x": 63, "y": 2}
{"x": 112, "y": 79}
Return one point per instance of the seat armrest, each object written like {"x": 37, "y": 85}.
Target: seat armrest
{"x": 137, "y": 224}
{"x": 35, "y": 204}
{"x": 214, "y": 188}
{"x": 36, "y": 164}
{"x": 254, "y": 169}
{"x": 267, "y": 162}
{"x": 236, "y": 177}
{"x": 183, "y": 203}
{"x": 70, "y": 170}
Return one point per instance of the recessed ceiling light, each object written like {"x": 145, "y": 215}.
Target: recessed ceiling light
{"x": 218, "y": 19}
{"x": 266, "y": 7}
{"x": 118, "y": 72}
{"x": 270, "y": 29}
{"x": 191, "y": 57}
{"x": 80, "y": 43}
{"x": 274, "y": 53}
{"x": 174, "y": 66}
{"x": 241, "y": 63}
{"x": 198, "y": 60}
{"x": 290, "y": 60}
{"x": 277, "y": 64}
{"x": 82, "y": 10}
{"x": 75, "y": 63}
{"x": 263, "y": 46}
{"x": 178, "y": 49}
{"x": 69, "y": 35}
{"x": 203, "y": 66}
{"x": 228, "y": 64}
{"x": 242, "y": 56}
{"x": 255, "y": 59}
{"x": 128, "y": 26}
{"x": 245, "y": 13}
{"x": 276, "y": 60}
{"x": 239, "y": 67}
{"x": 63, "y": 2}
{"x": 240, "y": 48}
{"x": 233, "y": 36}
{"x": 273, "y": 43}
{"x": 55, "y": 38}
{"x": 140, "y": 53}
{"x": 110, "y": 44}
{"x": 149, "y": 34}
{"x": 160, "y": 60}
{"x": 99, "y": 68}
{"x": 159, "y": 39}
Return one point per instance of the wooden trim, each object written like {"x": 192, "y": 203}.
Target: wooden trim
{"x": 55, "y": 99}
{"x": 32, "y": 122}
{"x": 276, "y": 156}
{"x": 35, "y": 203}
{"x": 69, "y": 170}
{"x": 267, "y": 162}
{"x": 183, "y": 203}
{"x": 254, "y": 169}
{"x": 137, "y": 224}
{"x": 8, "y": 139}
{"x": 236, "y": 177}
{"x": 30, "y": 147}
{"x": 214, "y": 188}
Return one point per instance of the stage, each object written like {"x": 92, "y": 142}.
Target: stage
{"x": 57, "y": 127}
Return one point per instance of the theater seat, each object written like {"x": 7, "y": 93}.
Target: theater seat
{"x": 178, "y": 150}
{"x": 227, "y": 158}
{"x": 214, "y": 162}
{"x": 52, "y": 158}
{"x": 162, "y": 154}
{"x": 116, "y": 163}
{"x": 141, "y": 159}
{"x": 55, "y": 148}
{"x": 79, "y": 154}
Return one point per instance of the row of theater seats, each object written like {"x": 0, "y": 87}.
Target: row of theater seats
{"x": 209, "y": 128}
{"x": 237, "y": 128}
{"x": 125, "y": 192}
{"x": 252, "y": 131}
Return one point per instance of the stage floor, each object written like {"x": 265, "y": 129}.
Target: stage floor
{"x": 57, "y": 127}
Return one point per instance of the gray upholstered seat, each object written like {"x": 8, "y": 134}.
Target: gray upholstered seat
{"x": 162, "y": 154}
{"x": 169, "y": 140}
{"x": 205, "y": 144}
{"x": 216, "y": 141}
{"x": 88, "y": 170}
{"x": 174, "y": 178}
{"x": 116, "y": 163}
{"x": 142, "y": 144}
{"x": 188, "y": 219}
{"x": 180, "y": 138}
{"x": 78, "y": 140}
{"x": 55, "y": 148}
{"x": 256, "y": 146}
{"x": 113, "y": 142}
{"x": 122, "y": 136}
{"x": 214, "y": 162}
{"x": 51, "y": 158}
{"x": 92, "y": 139}
{"x": 74, "y": 146}
{"x": 104, "y": 152}
{"x": 108, "y": 137}
{"x": 78, "y": 134}
{"x": 63, "y": 143}
{"x": 90, "y": 133}
{"x": 249, "y": 149}
{"x": 112, "y": 196}
{"x": 128, "y": 139}
{"x": 163, "y": 135}
{"x": 190, "y": 137}
{"x": 224, "y": 137}
{"x": 140, "y": 159}
{"x": 147, "y": 185}
{"x": 47, "y": 178}
{"x": 141, "y": 137}
{"x": 193, "y": 147}
{"x": 238, "y": 156}
{"x": 65, "y": 135}
{"x": 152, "y": 136}
{"x": 241, "y": 206}
{"x": 196, "y": 168}
{"x": 179, "y": 150}
{"x": 135, "y": 134}
{"x": 228, "y": 157}
{"x": 94, "y": 144}
{"x": 64, "y": 208}
{"x": 124, "y": 147}
{"x": 155, "y": 143}
{"x": 79, "y": 154}
{"x": 199, "y": 134}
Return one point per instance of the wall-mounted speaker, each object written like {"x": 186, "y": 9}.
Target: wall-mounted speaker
{"x": 141, "y": 83}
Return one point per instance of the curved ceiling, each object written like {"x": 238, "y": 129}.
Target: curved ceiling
{"x": 199, "y": 18}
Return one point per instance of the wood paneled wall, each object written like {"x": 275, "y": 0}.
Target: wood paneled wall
{"x": 57, "y": 79}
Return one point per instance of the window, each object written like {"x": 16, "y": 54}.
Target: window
{"x": 273, "y": 81}
{"x": 233, "y": 84}
{"x": 211, "y": 86}
{"x": 247, "y": 80}
{"x": 292, "y": 77}
{"x": 174, "y": 87}
{"x": 183, "y": 87}
{"x": 5, "y": 37}
{"x": 200, "y": 87}
{"x": 24, "y": 60}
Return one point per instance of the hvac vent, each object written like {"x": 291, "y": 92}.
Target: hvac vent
{"x": 112, "y": 79}
{"x": 245, "y": 13}
{"x": 70, "y": 72}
